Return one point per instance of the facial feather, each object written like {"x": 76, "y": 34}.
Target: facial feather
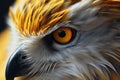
{"x": 93, "y": 53}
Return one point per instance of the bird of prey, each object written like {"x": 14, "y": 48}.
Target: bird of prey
{"x": 64, "y": 39}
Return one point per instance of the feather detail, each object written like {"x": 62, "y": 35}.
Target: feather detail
{"x": 110, "y": 8}
{"x": 35, "y": 17}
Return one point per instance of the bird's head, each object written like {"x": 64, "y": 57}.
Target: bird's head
{"x": 64, "y": 39}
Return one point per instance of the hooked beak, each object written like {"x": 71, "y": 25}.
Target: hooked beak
{"x": 16, "y": 65}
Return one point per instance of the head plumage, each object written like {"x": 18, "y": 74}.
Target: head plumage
{"x": 33, "y": 17}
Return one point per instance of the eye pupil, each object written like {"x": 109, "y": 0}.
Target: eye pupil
{"x": 62, "y": 33}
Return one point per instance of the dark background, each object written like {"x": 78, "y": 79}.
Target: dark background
{"x": 4, "y": 7}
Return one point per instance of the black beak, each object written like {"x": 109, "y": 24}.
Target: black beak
{"x": 17, "y": 65}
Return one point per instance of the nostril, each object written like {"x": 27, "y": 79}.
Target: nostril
{"x": 23, "y": 57}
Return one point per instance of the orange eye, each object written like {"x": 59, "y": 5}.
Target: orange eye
{"x": 63, "y": 35}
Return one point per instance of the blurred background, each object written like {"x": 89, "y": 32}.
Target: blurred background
{"x": 4, "y": 35}
{"x": 4, "y": 7}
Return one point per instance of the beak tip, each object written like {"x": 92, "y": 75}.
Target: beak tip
{"x": 12, "y": 67}
{"x": 15, "y": 65}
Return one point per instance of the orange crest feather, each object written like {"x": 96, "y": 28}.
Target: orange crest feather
{"x": 33, "y": 17}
